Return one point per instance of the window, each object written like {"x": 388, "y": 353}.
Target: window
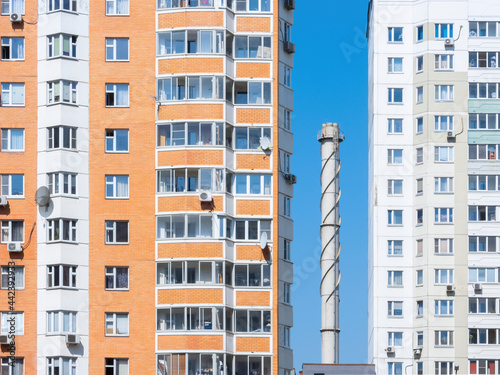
{"x": 116, "y": 278}
{"x": 286, "y": 34}
{"x": 483, "y": 183}
{"x": 420, "y": 64}
{"x": 443, "y": 307}
{"x": 420, "y": 309}
{"x": 254, "y": 184}
{"x": 420, "y": 339}
{"x": 12, "y": 231}
{"x": 483, "y": 59}
{"x": 12, "y": 48}
{"x": 482, "y": 152}
{"x": 12, "y": 185}
{"x": 181, "y": 180}
{"x": 420, "y": 248}
{"x": 394, "y": 338}
{"x": 420, "y": 216}
{"x": 395, "y": 96}
{"x": 394, "y": 247}
{"x": 395, "y": 368}
{"x": 420, "y": 186}
{"x": 117, "y": 7}
{"x": 12, "y": 140}
{"x": 250, "y": 229}
{"x": 116, "y": 366}
{"x": 394, "y": 278}
{"x": 117, "y": 187}
{"x": 11, "y": 366}
{"x": 420, "y": 33}
{"x": 61, "y": 322}
{"x": 116, "y": 232}
{"x": 483, "y": 121}
{"x": 443, "y": 30}
{"x": 208, "y": 42}
{"x": 61, "y": 230}
{"x": 253, "y": 5}
{"x": 286, "y": 293}
{"x": 61, "y": 276}
{"x": 420, "y": 95}
{"x": 168, "y": 4}
{"x": 117, "y": 94}
{"x": 443, "y": 338}
{"x": 209, "y": 318}
{"x": 420, "y": 155}
{"x": 287, "y": 245}
{"x": 482, "y": 213}
{"x": 62, "y": 5}
{"x": 483, "y": 275}
{"x": 286, "y": 206}
{"x": 395, "y": 34}
{"x": 12, "y": 6}
{"x": 61, "y": 366}
{"x": 117, "y": 49}
{"x": 204, "y": 272}
{"x": 395, "y": 308}
{"x": 443, "y": 62}
{"x": 61, "y": 92}
{"x": 286, "y": 75}
{"x": 443, "y": 368}
{"x": 394, "y": 156}
{"x": 443, "y": 276}
{"x": 483, "y": 244}
{"x": 394, "y": 187}
{"x": 285, "y": 161}
{"x": 249, "y": 138}
{"x": 62, "y": 183}
{"x": 285, "y": 119}
{"x": 395, "y": 65}
{"x": 12, "y": 95}
{"x": 193, "y": 134}
{"x": 443, "y": 154}
{"x": 12, "y": 320}
{"x": 443, "y": 93}
{"x": 420, "y": 125}
{"x": 443, "y": 123}
{"x": 116, "y": 140}
{"x": 394, "y": 217}
{"x": 62, "y": 45}
{"x": 252, "y": 92}
{"x": 395, "y": 126}
{"x": 286, "y": 337}
{"x": 483, "y": 29}
{"x": 191, "y": 88}
{"x": 481, "y": 366}
{"x": 420, "y": 277}
{"x": 252, "y": 47}
{"x": 116, "y": 324}
{"x": 484, "y": 336}
{"x": 12, "y": 276}
{"x": 61, "y": 137}
{"x": 482, "y": 305}
{"x": 443, "y": 246}
{"x": 185, "y": 226}
{"x": 483, "y": 90}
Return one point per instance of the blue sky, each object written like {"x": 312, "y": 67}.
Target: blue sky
{"x": 330, "y": 85}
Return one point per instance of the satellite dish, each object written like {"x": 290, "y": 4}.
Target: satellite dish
{"x": 42, "y": 196}
{"x": 265, "y": 143}
{"x": 263, "y": 240}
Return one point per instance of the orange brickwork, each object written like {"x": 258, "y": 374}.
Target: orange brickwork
{"x": 253, "y": 24}
{"x": 190, "y": 65}
{"x": 190, "y": 250}
{"x": 253, "y": 116}
{"x": 190, "y": 111}
{"x": 189, "y": 203}
{"x": 194, "y": 157}
{"x": 253, "y": 70}
{"x": 253, "y": 207}
{"x": 252, "y": 253}
{"x": 190, "y": 342}
{"x": 253, "y": 344}
{"x": 189, "y": 296}
{"x": 257, "y": 161}
{"x": 253, "y": 298}
{"x": 190, "y": 19}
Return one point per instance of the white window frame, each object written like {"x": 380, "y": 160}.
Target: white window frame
{"x": 247, "y": 177}
{"x": 112, "y": 46}
{"x": 13, "y": 271}
{"x": 443, "y": 276}
{"x": 417, "y": 37}
{"x": 116, "y": 365}
{"x": 490, "y": 213}
{"x": 63, "y": 268}
{"x": 444, "y": 154}
{"x": 484, "y": 244}
{"x": 392, "y": 278}
{"x": 264, "y": 49}
{"x": 395, "y": 339}
{"x": 287, "y": 206}
{"x": 10, "y": 367}
{"x": 110, "y": 226}
{"x": 443, "y": 124}
{"x": 391, "y": 65}
{"x": 112, "y": 8}
{"x": 113, "y": 139}
{"x": 392, "y": 306}
{"x": 7, "y": 7}
{"x": 112, "y": 317}
{"x": 484, "y": 275}
{"x": 56, "y": 319}
{"x": 420, "y": 309}
{"x": 443, "y": 338}
{"x": 395, "y": 187}
{"x": 285, "y": 161}
{"x": 58, "y": 181}
{"x": 6, "y": 42}
{"x": 443, "y": 215}
{"x": 6, "y": 229}
{"x": 112, "y": 273}
{"x": 287, "y": 75}
{"x": 443, "y": 62}
{"x": 391, "y": 92}
{"x": 443, "y": 246}
{"x": 419, "y": 155}
{"x": 66, "y": 88}
{"x": 7, "y": 90}
{"x": 52, "y": 6}
{"x": 419, "y": 95}
{"x": 419, "y": 216}
{"x": 446, "y": 182}
{"x": 393, "y": 245}
{"x": 420, "y": 186}
{"x": 18, "y": 322}
{"x": 444, "y": 93}
{"x": 56, "y": 227}
{"x": 393, "y": 125}
{"x": 64, "y": 135}
{"x": 419, "y": 278}
{"x": 286, "y": 120}
{"x": 287, "y": 247}
{"x": 391, "y": 35}
{"x": 286, "y": 336}
{"x": 111, "y": 181}
{"x": 391, "y": 218}
{"x": 287, "y": 293}
{"x": 476, "y": 28}
{"x": 56, "y": 364}
{"x": 394, "y": 368}
{"x": 438, "y": 368}
{"x": 6, "y": 186}
{"x": 420, "y": 64}
{"x": 52, "y": 40}
{"x": 443, "y": 28}
{"x": 111, "y": 88}
{"x": 392, "y": 156}
{"x": 419, "y": 125}
{"x": 7, "y": 140}
{"x": 443, "y": 307}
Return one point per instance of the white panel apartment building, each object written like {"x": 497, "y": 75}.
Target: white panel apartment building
{"x": 434, "y": 130}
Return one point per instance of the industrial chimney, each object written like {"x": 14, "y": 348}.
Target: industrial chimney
{"x": 330, "y": 138}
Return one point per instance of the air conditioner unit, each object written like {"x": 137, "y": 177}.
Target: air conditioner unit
{"x": 206, "y": 196}
{"x": 449, "y": 42}
{"x": 417, "y": 352}
{"x": 4, "y": 339}
{"x": 289, "y": 47}
{"x": 390, "y": 349}
{"x": 290, "y": 4}
{"x": 3, "y": 200}
{"x": 16, "y": 17}
{"x": 492, "y": 155}
{"x": 290, "y": 179}
{"x": 451, "y": 134}
{"x": 478, "y": 286}
{"x": 450, "y": 288}
{"x": 72, "y": 339}
{"x": 14, "y": 247}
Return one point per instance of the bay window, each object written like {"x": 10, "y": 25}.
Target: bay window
{"x": 61, "y": 322}
{"x": 61, "y": 92}
{"x": 62, "y": 45}
{"x": 69, "y": 5}
{"x": 61, "y": 137}
{"x": 61, "y": 230}
{"x": 61, "y": 276}
{"x": 62, "y": 183}
{"x": 61, "y": 366}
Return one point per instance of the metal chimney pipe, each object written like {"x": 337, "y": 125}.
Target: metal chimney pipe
{"x": 330, "y": 138}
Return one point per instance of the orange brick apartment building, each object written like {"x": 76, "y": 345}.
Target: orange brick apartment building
{"x": 162, "y": 132}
